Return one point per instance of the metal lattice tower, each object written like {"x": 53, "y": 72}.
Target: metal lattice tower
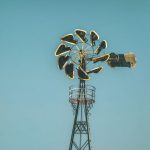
{"x": 82, "y": 54}
{"x": 82, "y": 99}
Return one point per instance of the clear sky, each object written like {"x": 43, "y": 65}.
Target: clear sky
{"x": 34, "y": 110}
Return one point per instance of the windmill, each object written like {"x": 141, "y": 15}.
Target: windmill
{"x": 76, "y": 55}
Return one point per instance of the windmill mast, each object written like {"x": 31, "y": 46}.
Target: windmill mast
{"x": 80, "y": 137}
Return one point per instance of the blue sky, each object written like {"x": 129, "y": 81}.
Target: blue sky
{"x": 34, "y": 110}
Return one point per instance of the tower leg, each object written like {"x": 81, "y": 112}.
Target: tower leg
{"x": 74, "y": 127}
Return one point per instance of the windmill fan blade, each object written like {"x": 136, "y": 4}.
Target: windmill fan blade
{"x": 95, "y": 70}
{"x": 69, "y": 70}
{"x": 81, "y": 35}
{"x": 69, "y": 39}
{"x": 93, "y": 37}
{"x": 102, "y": 45}
{"x": 82, "y": 74}
{"x": 62, "y": 49}
{"x": 62, "y": 60}
{"x": 101, "y": 58}
{"x": 122, "y": 60}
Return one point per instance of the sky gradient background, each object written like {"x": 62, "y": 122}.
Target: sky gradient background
{"x": 34, "y": 109}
